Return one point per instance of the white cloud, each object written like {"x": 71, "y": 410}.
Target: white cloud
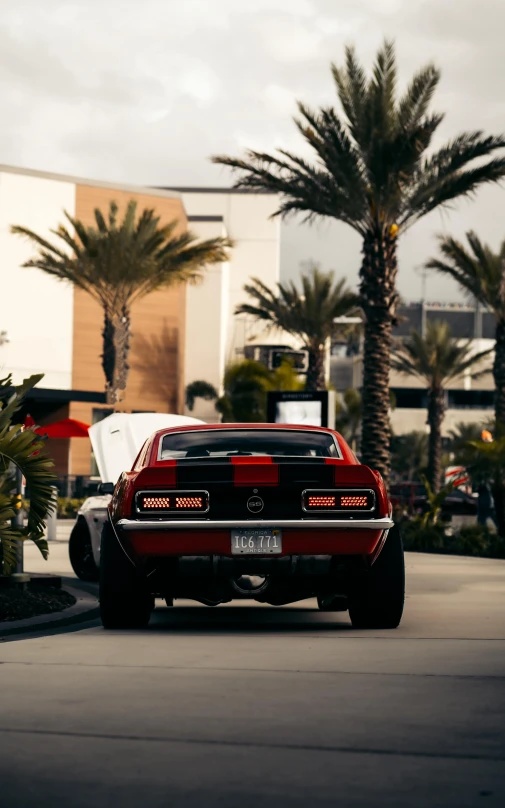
{"x": 291, "y": 40}
{"x": 146, "y": 91}
{"x": 279, "y": 100}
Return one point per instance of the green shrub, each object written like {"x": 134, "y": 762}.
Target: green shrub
{"x": 478, "y": 540}
{"x": 471, "y": 540}
{"x": 68, "y": 507}
{"x": 423, "y": 539}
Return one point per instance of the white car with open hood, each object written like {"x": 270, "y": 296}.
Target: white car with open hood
{"x": 116, "y": 442}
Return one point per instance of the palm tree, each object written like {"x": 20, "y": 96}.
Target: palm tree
{"x": 246, "y": 385}
{"x": 437, "y": 359}
{"x": 481, "y": 273}
{"x": 118, "y": 263}
{"x": 460, "y": 437}
{"x": 21, "y": 449}
{"x": 308, "y": 315}
{"x": 410, "y": 454}
{"x": 372, "y": 170}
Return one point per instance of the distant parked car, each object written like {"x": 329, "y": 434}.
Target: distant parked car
{"x": 413, "y": 495}
{"x": 116, "y": 442}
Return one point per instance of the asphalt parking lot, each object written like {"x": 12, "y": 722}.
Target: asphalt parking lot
{"x": 247, "y": 705}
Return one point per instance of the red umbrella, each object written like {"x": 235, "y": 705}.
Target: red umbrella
{"x": 67, "y": 428}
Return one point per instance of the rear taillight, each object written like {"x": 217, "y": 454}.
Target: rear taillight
{"x": 343, "y": 500}
{"x": 172, "y": 501}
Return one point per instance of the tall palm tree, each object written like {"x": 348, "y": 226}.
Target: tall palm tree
{"x": 373, "y": 171}
{"x": 437, "y": 359}
{"x": 24, "y": 450}
{"x": 308, "y": 314}
{"x": 118, "y": 263}
{"x": 481, "y": 273}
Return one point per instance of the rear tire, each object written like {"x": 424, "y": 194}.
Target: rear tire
{"x": 124, "y": 599}
{"x": 80, "y": 552}
{"x": 377, "y": 597}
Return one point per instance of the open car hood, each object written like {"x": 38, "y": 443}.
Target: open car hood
{"x": 118, "y": 439}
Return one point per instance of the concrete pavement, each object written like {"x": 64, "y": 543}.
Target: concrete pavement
{"x": 243, "y": 705}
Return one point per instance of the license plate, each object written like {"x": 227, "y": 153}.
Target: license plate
{"x": 256, "y": 541}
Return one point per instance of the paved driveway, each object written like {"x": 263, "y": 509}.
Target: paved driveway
{"x": 255, "y": 706}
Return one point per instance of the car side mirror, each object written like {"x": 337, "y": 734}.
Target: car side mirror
{"x": 106, "y": 488}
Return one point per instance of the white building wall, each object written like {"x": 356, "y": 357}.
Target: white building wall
{"x": 36, "y": 311}
{"x": 246, "y": 217}
{"x": 405, "y": 420}
{"x": 206, "y": 326}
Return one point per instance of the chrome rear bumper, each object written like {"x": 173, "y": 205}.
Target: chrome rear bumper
{"x": 384, "y": 523}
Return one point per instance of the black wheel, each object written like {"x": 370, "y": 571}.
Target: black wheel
{"x": 331, "y": 603}
{"x": 377, "y": 596}
{"x": 124, "y": 599}
{"x": 80, "y": 552}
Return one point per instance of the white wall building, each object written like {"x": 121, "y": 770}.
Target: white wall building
{"x": 35, "y": 202}
{"x": 215, "y": 336}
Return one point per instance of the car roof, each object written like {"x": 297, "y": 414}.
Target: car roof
{"x": 210, "y": 427}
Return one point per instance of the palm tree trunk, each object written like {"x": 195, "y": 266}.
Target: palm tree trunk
{"x": 499, "y": 372}
{"x": 116, "y": 346}
{"x": 436, "y": 410}
{"x": 315, "y": 372}
{"x": 378, "y": 301}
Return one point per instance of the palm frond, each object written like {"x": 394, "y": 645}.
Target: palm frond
{"x": 22, "y": 449}
{"x": 478, "y": 270}
{"x": 371, "y": 166}
{"x": 438, "y": 358}
{"x": 308, "y": 314}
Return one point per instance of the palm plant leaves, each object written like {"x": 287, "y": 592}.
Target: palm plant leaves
{"x": 118, "y": 262}
{"x": 410, "y": 454}
{"x": 371, "y": 163}
{"x": 437, "y": 358}
{"x": 435, "y": 500}
{"x": 478, "y": 270}
{"x": 375, "y": 169}
{"x": 25, "y": 450}
{"x": 308, "y": 313}
{"x": 481, "y": 273}
{"x": 199, "y": 389}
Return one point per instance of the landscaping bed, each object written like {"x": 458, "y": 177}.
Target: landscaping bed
{"x": 32, "y": 601}
{"x": 472, "y": 540}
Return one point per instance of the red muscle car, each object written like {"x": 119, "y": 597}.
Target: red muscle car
{"x": 263, "y": 511}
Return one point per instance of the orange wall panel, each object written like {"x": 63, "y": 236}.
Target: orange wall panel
{"x": 156, "y": 381}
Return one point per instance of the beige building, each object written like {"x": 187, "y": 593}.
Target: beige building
{"x": 179, "y": 334}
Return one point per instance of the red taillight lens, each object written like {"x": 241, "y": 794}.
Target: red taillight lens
{"x": 322, "y": 501}
{"x": 339, "y": 500}
{"x": 172, "y": 501}
{"x": 353, "y": 501}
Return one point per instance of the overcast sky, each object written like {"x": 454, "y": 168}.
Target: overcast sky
{"x": 143, "y": 91}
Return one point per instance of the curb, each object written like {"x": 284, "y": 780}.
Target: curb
{"x": 84, "y": 610}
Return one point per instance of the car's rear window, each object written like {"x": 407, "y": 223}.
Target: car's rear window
{"x": 243, "y": 442}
